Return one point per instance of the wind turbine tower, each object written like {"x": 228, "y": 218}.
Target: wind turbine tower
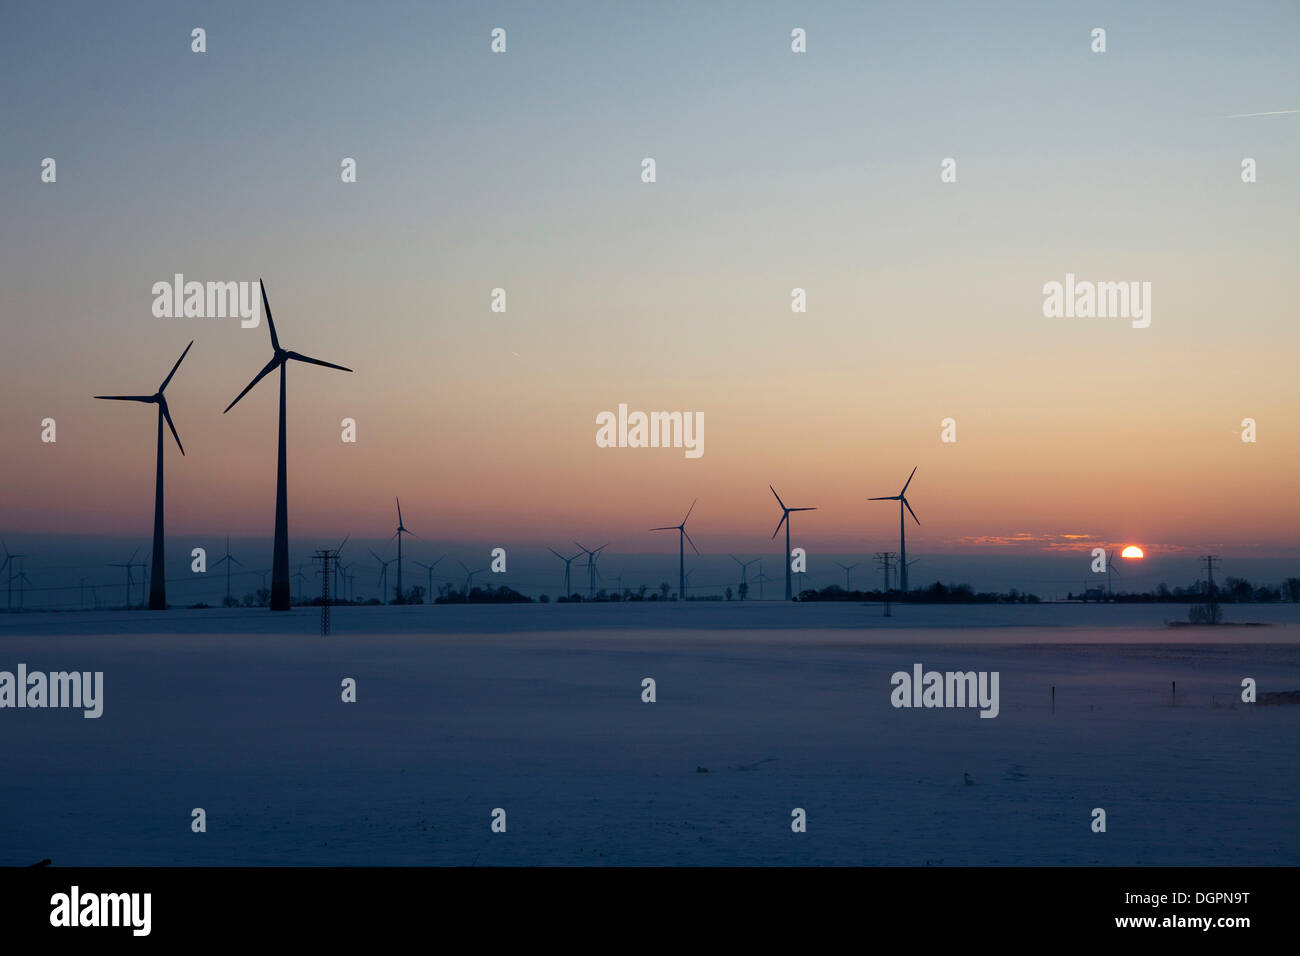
{"x": 280, "y": 562}
{"x": 901, "y": 498}
{"x": 158, "y": 580}
{"x": 681, "y": 549}
{"x": 785, "y": 520}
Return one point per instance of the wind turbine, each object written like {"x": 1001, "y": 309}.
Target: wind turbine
{"x": 848, "y": 570}
{"x": 762, "y": 579}
{"x": 785, "y": 520}
{"x": 22, "y": 580}
{"x": 744, "y": 574}
{"x": 901, "y": 498}
{"x": 130, "y": 578}
{"x": 383, "y": 574}
{"x": 280, "y": 561}
{"x": 567, "y": 561}
{"x": 401, "y": 530}
{"x": 339, "y": 568}
{"x": 428, "y": 596}
{"x": 9, "y": 584}
{"x": 227, "y": 559}
{"x": 298, "y": 577}
{"x": 681, "y": 549}
{"x": 469, "y": 577}
{"x": 591, "y": 566}
{"x": 1110, "y": 569}
{"x": 158, "y": 581}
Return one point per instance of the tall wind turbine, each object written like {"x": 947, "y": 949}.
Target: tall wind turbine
{"x": 567, "y": 562}
{"x": 280, "y": 561}
{"x": 848, "y": 571}
{"x": 227, "y": 559}
{"x": 744, "y": 574}
{"x": 785, "y": 520}
{"x": 383, "y": 574}
{"x": 401, "y": 530}
{"x": 901, "y": 498}
{"x": 591, "y": 566}
{"x": 130, "y": 577}
{"x": 681, "y": 549}
{"x": 158, "y": 580}
{"x": 428, "y": 596}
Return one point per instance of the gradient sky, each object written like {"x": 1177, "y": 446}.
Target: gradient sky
{"x": 775, "y": 170}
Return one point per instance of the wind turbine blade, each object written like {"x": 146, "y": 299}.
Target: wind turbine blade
{"x": 175, "y": 367}
{"x": 556, "y": 553}
{"x": 690, "y": 509}
{"x": 147, "y": 399}
{"x": 886, "y": 498}
{"x": 377, "y": 557}
{"x": 266, "y": 370}
{"x": 910, "y": 511}
{"x": 688, "y": 538}
{"x": 270, "y": 322}
{"x": 343, "y": 542}
{"x": 162, "y": 406}
{"x": 671, "y": 527}
{"x": 736, "y": 559}
{"x": 306, "y": 358}
{"x": 803, "y": 509}
{"x": 778, "y": 498}
{"x": 784, "y": 516}
{"x": 908, "y": 482}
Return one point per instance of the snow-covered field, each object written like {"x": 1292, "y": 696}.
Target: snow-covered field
{"x": 538, "y": 710}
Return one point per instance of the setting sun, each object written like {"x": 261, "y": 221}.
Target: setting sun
{"x": 1132, "y": 551}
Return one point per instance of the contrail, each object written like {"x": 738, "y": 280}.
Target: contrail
{"x": 1269, "y": 113}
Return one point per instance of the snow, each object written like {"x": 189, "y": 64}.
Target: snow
{"x": 537, "y": 709}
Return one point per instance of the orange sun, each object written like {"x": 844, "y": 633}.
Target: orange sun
{"x": 1132, "y": 551}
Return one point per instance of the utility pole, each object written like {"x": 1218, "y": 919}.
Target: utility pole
{"x": 325, "y": 556}
{"x": 885, "y": 560}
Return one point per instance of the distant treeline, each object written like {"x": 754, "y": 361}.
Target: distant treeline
{"x": 936, "y": 593}
{"x": 1231, "y": 591}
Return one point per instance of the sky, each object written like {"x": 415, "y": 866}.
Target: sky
{"x": 775, "y": 170}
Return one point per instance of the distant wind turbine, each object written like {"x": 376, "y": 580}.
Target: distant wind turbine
{"x": 785, "y": 520}
{"x": 158, "y": 581}
{"x": 848, "y": 571}
{"x": 429, "y": 567}
{"x": 567, "y": 562}
{"x": 744, "y": 574}
{"x": 280, "y": 561}
{"x": 681, "y": 549}
{"x": 129, "y": 565}
{"x": 591, "y": 566}
{"x": 469, "y": 576}
{"x": 9, "y": 582}
{"x": 401, "y": 530}
{"x": 383, "y": 574}
{"x": 227, "y": 559}
{"x": 901, "y": 498}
